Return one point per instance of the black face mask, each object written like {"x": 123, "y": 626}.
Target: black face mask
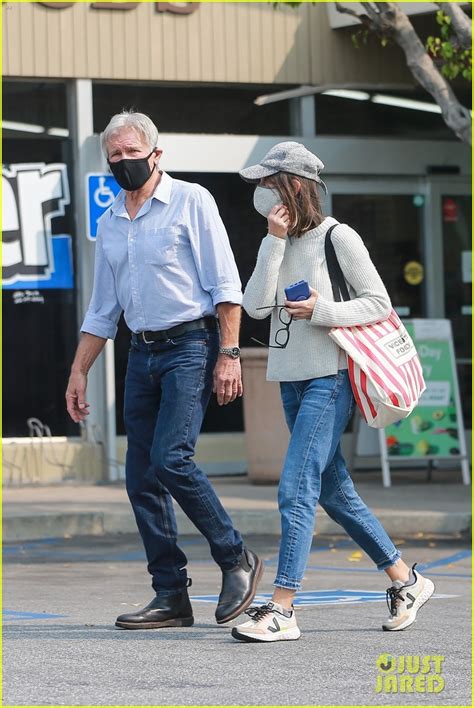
{"x": 132, "y": 174}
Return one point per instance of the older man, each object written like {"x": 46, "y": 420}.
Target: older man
{"x": 163, "y": 258}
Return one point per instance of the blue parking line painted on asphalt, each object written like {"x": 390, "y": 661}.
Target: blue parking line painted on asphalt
{"x": 91, "y": 555}
{"x": 22, "y": 545}
{"x": 446, "y": 561}
{"x": 42, "y": 547}
{"x": 375, "y": 570}
{"x": 320, "y": 597}
{"x": 19, "y": 615}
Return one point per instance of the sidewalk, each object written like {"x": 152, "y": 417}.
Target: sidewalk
{"x": 411, "y": 506}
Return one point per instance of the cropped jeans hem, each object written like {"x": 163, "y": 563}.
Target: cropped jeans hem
{"x": 387, "y": 563}
{"x": 287, "y": 584}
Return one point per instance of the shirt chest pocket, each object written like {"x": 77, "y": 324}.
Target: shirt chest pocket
{"x": 160, "y": 245}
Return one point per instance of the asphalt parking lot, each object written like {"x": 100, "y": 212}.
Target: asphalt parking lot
{"x": 60, "y": 646}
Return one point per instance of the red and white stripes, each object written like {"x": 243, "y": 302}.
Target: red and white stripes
{"x": 384, "y": 369}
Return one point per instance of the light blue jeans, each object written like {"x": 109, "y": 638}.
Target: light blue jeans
{"x": 317, "y": 412}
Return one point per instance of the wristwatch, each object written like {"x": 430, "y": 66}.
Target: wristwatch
{"x": 233, "y": 352}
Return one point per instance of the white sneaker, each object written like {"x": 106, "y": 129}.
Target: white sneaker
{"x": 404, "y": 600}
{"x": 268, "y": 623}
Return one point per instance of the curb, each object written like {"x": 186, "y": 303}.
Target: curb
{"x": 255, "y": 522}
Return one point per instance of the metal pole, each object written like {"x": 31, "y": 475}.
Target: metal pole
{"x": 386, "y": 478}
{"x": 87, "y": 158}
{"x": 115, "y": 472}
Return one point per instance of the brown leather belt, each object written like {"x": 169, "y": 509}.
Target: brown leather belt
{"x": 164, "y": 335}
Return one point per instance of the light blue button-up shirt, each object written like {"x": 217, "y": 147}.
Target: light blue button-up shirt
{"x": 172, "y": 264}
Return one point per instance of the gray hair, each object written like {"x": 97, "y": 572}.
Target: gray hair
{"x": 139, "y": 122}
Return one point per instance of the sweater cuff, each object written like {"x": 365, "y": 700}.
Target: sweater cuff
{"x": 272, "y": 245}
{"x": 323, "y": 313}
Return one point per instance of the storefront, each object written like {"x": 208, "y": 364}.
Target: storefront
{"x": 399, "y": 177}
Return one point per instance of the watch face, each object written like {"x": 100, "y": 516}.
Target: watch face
{"x": 235, "y": 351}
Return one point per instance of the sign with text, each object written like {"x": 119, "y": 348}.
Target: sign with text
{"x": 434, "y": 429}
{"x": 32, "y": 256}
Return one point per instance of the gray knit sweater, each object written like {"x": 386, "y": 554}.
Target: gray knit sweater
{"x": 310, "y": 352}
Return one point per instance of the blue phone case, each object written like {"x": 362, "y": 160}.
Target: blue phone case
{"x": 298, "y": 291}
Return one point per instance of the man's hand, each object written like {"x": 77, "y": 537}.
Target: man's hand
{"x": 302, "y": 309}
{"x": 227, "y": 380}
{"x": 88, "y": 349}
{"x": 77, "y": 406}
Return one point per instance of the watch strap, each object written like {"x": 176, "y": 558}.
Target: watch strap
{"x": 233, "y": 352}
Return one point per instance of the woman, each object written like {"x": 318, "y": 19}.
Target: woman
{"x": 315, "y": 387}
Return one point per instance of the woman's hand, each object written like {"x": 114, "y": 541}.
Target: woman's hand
{"x": 278, "y": 221}
{"x": 302, "y": 309}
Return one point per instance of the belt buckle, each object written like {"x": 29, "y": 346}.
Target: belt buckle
{"x": 146, "y": 340}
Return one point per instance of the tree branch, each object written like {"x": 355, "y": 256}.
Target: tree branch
{"x": 455, "y": 115}
{"x": 461, "y": 22}
{"x": 348, "y": 11}
{"x": 394, "y": 22}
{"x": 378, "y": 16}
{"x": 381, "y": 6}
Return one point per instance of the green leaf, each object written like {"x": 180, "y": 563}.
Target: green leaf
{"x": 445, "y": 32}
{"x": 447, "y": 50}
{"x": 445, "y": 71}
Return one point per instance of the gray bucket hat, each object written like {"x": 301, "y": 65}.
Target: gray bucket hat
{"x": 286, "y": 157}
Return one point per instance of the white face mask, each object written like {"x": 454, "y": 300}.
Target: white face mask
{"x": 264, "y": 199}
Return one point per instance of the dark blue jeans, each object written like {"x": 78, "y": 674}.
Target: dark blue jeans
{"x": 167, "y": 390}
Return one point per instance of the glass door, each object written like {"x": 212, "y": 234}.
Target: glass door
{"x": 389, "y": 216}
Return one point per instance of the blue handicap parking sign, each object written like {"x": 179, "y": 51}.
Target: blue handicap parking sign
{"x": 101, "y": 190}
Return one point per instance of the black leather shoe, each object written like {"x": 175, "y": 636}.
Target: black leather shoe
{"x": 163, "y": 611}
{"x": 239, "y": 586}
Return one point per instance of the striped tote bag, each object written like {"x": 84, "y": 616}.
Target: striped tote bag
{"x": 384, "y": 368}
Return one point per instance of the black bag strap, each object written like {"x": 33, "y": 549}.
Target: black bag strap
{"x": 338, "y": 282}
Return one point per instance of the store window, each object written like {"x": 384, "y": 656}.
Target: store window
{"x": 342, "y": 116}
{"x": 39, "y": 297}
{"x": 195, "y": 108}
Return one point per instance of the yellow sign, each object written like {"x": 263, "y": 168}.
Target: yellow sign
{"x": 413, "y": 272}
